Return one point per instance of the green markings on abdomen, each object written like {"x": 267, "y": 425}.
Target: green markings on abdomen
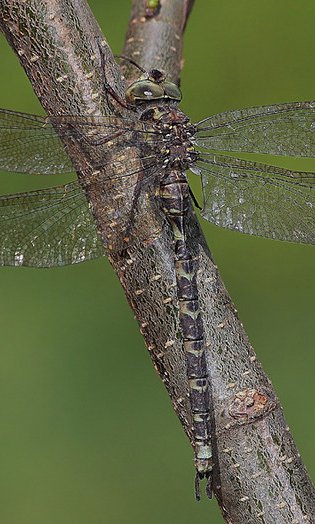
{"x": 175, "y": 204}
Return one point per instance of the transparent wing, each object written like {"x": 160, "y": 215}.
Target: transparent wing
{"x": 50, "y": 227}
{"x": 30, "y": 143}
{"x": 284, "y": 129}
{"x": 258, "y": 199}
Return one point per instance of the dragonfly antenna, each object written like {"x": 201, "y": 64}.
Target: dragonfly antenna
{"x": 131, "y": 62}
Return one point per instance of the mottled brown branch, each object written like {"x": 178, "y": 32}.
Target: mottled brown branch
{"x": 259, "y": 477}
{"x": 165, "y": 34}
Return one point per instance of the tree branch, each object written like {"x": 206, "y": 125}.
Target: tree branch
{"x": 258, "y": 474}
{"x": 164, "y": 31}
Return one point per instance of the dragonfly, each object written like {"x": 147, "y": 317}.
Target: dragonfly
{"x": 61, "y": 225}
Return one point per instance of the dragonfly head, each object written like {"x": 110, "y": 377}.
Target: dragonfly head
{"x": 152, "y": 86}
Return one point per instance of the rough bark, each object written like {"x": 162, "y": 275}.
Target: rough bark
{"x": 258, "y": 475}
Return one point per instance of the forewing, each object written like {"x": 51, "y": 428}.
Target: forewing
{"x": 258, "y": 199}
{"x": 30, "y": 143}
{"x": 284, "y": 129}
{"x": 50, "y": 227}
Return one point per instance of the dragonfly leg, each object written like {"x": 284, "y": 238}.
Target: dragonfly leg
{"x": 194, "y": 199}
{"x": 108, "y": 88}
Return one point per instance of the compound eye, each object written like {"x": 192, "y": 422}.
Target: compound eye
{"x": 142, "y": 91}
{"x": 172, "y": 91}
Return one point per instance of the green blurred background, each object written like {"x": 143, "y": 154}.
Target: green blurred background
{"x": 75, "y": 447}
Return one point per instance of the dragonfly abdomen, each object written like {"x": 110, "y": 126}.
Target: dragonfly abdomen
{"x": 175, "y": 202}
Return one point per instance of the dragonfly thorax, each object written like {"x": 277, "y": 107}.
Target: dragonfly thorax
{"x": 178, "y": 153}
{"x": 177, "y": 132}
